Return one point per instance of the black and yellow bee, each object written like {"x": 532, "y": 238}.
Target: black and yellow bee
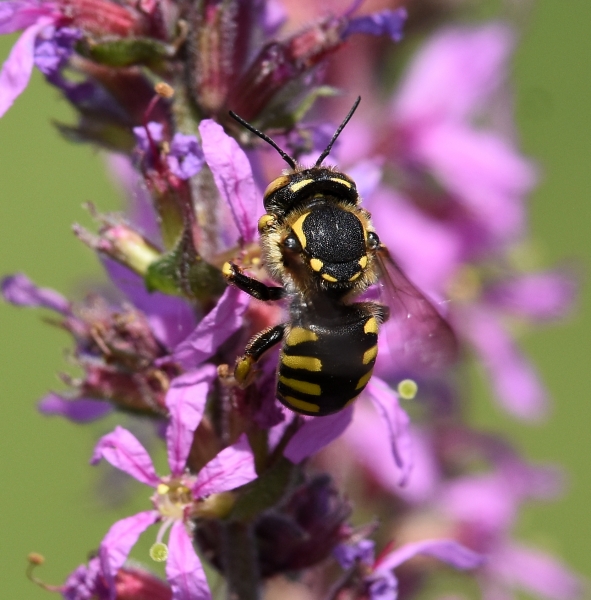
{"x": 322, "y": 247}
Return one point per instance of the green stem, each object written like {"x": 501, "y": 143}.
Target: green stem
{"x": 240, "y": 562}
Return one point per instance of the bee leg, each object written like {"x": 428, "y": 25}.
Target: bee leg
{"x": 251, "y": 286}
{"x": 256, "y": 347}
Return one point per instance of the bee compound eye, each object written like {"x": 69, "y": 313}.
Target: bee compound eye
{"x": 292, "y": 243}
{"x": 373, "y": 241}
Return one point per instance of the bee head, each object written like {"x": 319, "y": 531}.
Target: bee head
{"x": 332, "y": 243}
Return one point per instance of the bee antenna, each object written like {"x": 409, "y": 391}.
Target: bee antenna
{"x": 286, "y": 157}
{"x": 337, "y": 133}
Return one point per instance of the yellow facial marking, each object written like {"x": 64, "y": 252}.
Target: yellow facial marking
{"x": 363, "y": 381}
{"x": 343, "y": 181}
{"x": 227, "y": 270}
{"x": 363, "y": 262}
{"x": 371, "y": 326}
{"x": 355, "y": 276}
{"x": 302, "y": 404}
{"x": 296, "y": 187}
{"x": 277, "y": 184}
{"x": 370, "y": 354}
{"x": 297, "y": 229}
{"x": 301, "y": 386}
{"x": 307, "y": 363}
{"x": 316, "y": 264}
{"x": 299, "y": 335}
{"x": 328, "y": 277}
{"x": 265, "y": 221}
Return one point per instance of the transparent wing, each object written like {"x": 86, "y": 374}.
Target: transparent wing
{"x": 419, "y": 338}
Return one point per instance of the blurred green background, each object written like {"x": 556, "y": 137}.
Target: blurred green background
{"x": 50, "y": 504}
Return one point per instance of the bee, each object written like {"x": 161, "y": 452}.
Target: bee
{"x": 321, "y": 246}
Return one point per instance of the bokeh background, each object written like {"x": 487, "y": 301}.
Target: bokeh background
{"x": 51, "y": 501}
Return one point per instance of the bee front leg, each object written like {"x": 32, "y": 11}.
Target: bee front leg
{"x": 251, "y": 286}
{"x": 256, "y": 347}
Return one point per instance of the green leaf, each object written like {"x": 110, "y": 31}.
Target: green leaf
{"x": 182, "y": 272}
{"x": 125, "y": 52}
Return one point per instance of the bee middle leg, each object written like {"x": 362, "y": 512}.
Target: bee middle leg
{"x": 256, "y": 347}
{"x": 251, "y": 286}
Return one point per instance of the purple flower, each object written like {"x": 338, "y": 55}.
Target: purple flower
{"x": 185, "y": 158}
{"x": 432, "y": 254}
{"x": 446, "y": 86}
{"x": 380, "y": 582}
{"x": 88, "y": 582}
{"x": 19, "y": 290}
{"x": 178, "y": 497}
{"x": 233, "y": 177}
{"x": 385, "y": 22}
{"x": 317, "y": 432}
{"x": 485, "y": 508}
{"x": 117, "y": 348}
{"x": 33, "y": 17}
{"x": 148, "y": 135}
{"x": 54, "y": 47}
{"x": 214, "y": 329}
{"x": 368, "y": 443}
{"x": 348, "y": 554}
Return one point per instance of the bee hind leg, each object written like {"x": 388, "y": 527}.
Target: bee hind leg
{"x": 244, "y": 371}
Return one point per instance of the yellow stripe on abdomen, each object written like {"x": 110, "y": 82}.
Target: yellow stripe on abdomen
{"x": 313, "y": 389}
{"x": 306, "y": 363}
{"x": 302, "y": 404}
{"x": 370, "y": 354}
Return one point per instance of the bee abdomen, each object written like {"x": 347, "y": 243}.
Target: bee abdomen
{"x": 322, "y": 369}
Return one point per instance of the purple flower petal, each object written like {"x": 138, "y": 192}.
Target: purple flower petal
{"x": 20, "y": 15}
{"x": 18, "y": 67}
{"x": 448, "y": 551}
{"x": 386, "y": 22}
{"x": 453, "y": 73}
{"x": 19, "y": 290}
{"x": 383, "y": 586}
{"x": 217, "y": 326}
{"x": 122, "y": 449}
{"x": 231, "y": 468}
{"x": 516, "y": 383}
{"x": 539, "y": 296}
{"x": 170, "y": 318}
{"x": 186, "y": 156}
{"x": 186, "y": 400}
{"x": 183, "y": 567}
{"x": 316, "y": 433}
{"x": 143, "y": 214}
{"x": 80, "y": 410}
{"x": 535, "y": 572}
{"x": 428, "y": 252}
{"x": 119, "y": 540}
{"x": 368, "y": 436}
{"x": 54, "y": 47}
{"x": 397, "y": 422}
{"x": 488, "y": 175}
{"x": 145, "y": 135}
{"x": 488, "y": 502}
{"x": 347, "y": 554}
{"x": 233, "y": 176}
{"x": 83, "y": 582}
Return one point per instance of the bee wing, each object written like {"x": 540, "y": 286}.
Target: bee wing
{"x": 418, "y": 336}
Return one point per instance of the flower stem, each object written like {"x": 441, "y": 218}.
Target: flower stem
{"x": 240, "y": 562}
